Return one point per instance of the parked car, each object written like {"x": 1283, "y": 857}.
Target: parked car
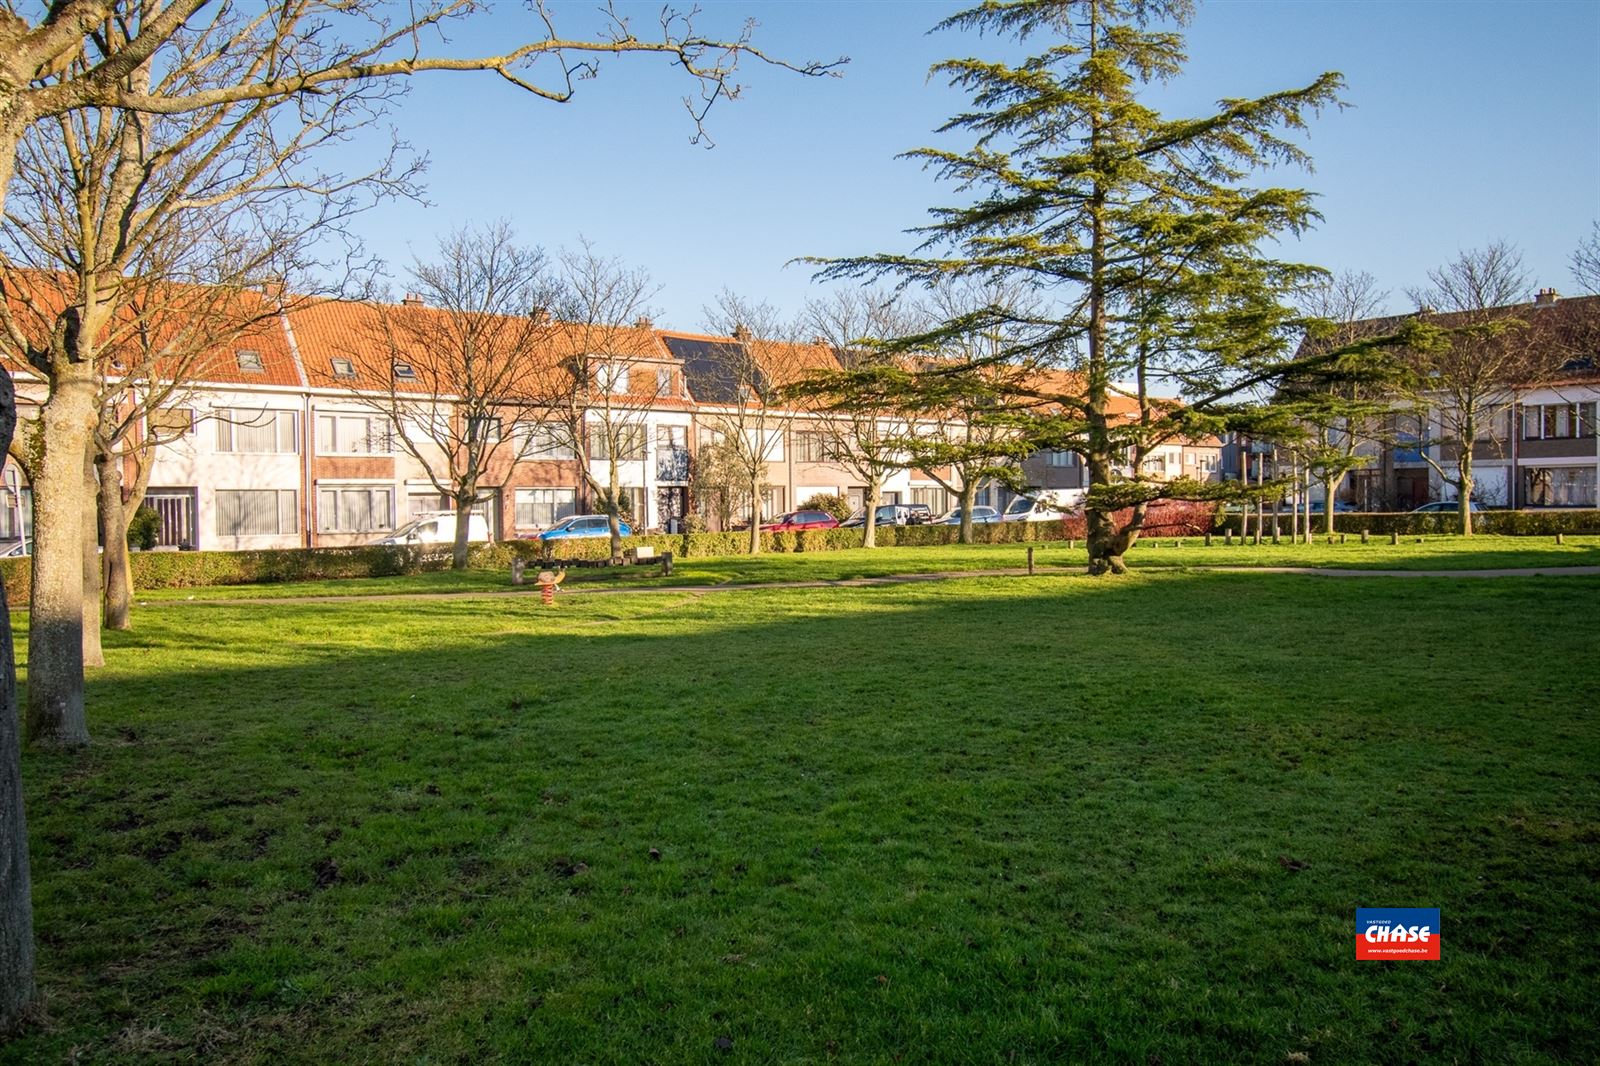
{"x": 980, "y": 516}
{"x": 20, "y": 550}
{"x": 582, "y": 525}
{"x": 436, "y": 527}
{"x": 1035, "y": 509}
{"x": 889, "y": 514}
{"x": 1339, "y": 507}
{"x": 1446, "y": 507}
{"x": 795, "y": 520}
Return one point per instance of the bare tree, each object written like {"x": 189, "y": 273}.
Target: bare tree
{"x": 740, "y": 394}
{"x": 1586, "y": 261}
{"x": 78, "y": 54}
{"x": 185, "y": 57}
{"x": 1344, "y": 418}
{"x": 456, "y": 370}
{"x": 16, "y": 898}
{"x": 859, "y": 425}
{"x": 1463, "y": 387}
{"x": 128, "y": 241}
{"x": 962, "y": 405}
{"x": 610, "y": 373}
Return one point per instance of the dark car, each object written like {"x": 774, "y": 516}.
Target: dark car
{"x": 797, "y": 520}
{"x": 920, "y": 513}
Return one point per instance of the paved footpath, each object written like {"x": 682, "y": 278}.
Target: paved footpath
{"x": 867, "y": 582}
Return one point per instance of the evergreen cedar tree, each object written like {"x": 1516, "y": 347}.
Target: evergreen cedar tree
{"x": 1139, "y": 235}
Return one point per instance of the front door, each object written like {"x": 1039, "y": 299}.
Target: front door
{"x": 672, "y": 504}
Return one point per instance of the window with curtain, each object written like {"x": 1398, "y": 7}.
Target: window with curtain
{"x": 256, "y": 512}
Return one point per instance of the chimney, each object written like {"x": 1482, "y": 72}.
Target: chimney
{"x": 411, "y": 299}
{"x": 1545, "y": 297}
{"x": 643, "y": 322}
{"x": 540, "y": 316}
{"x": 740, "y": 333}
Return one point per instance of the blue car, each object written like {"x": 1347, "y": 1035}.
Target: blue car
{"x": 582, "y": 525}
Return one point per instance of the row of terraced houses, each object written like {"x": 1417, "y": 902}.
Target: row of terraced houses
{"x": 278, "y": 444}
{"x": 275, "y": 447}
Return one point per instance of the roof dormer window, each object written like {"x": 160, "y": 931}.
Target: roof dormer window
{"x": 250, "y": 361}
{"x": 343, "y": 368}
{"x": 405, "y": 372}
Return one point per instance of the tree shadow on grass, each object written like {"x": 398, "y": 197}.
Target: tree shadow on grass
{"x": 1069, "y": 819}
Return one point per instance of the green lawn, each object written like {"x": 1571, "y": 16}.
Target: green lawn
{"x": 1437, "y": 552}
{"x": 1000, "y": 820}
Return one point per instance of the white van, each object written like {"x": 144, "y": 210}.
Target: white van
{"x": 1050, "y": 505}
{"x": 436, "y": 527}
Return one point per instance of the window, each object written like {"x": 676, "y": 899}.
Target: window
{"x": 630, "y": 441}
{"x": 354, "y": 508}
{"x": 611, "y": 377}
{"x": 405, "y": 372}
{"x": 1205, "y": 464}
{"x": 343, "y": 368}
{"x": 708, "y": 437}
{"x": 170, "y": 423}
{"x": 426, "y": 502}
{"x": 1058, "y": 457}
{"x": 353, "y": 434}
{"x": 543, "y": 442}
{"x": 810, "y": 447}
{"x": 542, "y": 508}
{"x": 250, "y": 361}
{"x": 240, "y": 430}
{"x": 1559, "y": 486}
{"x": 773, "y": 451}
{"x": 664, "y": 381}
{"x": 484, "y": 428}
{"x": 1555, "y": 421}
{"x": 256, "y": 512}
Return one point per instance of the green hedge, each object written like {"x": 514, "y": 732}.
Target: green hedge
{"x": 153, "y": 570}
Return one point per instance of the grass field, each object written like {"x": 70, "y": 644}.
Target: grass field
{"x": 996, "y": 820}
{"x": 1441, "y": 552}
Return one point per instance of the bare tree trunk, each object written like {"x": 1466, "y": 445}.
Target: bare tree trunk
{"x": 869, "y": 527}
{"x": 1464, "y": 475}
{"x": 55, "y": 625}
{"x": 116, "y": 571}
{"x": 93, "y": 655}
{"x": 755, "y": 516}
{"x": 614, "y": 511}
{"x": 1294, "y": 501}
{"x": 16, "y": 896}
{"x": 969, "y": 492}
{"x": 464, "y": 503}
{"x": 1327, "y": 505}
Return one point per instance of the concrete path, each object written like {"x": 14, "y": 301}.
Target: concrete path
{"x": 867, "y": 582}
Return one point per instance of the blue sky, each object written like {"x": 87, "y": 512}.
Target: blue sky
{"x": 1470, "y": 122}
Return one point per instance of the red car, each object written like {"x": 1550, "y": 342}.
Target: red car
{"x": 788, "y": 523}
